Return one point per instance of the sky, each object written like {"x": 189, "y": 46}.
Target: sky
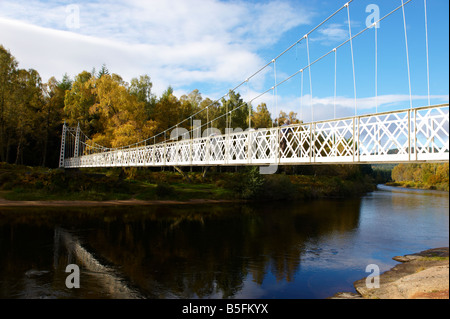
{"x": 216, "y": 45}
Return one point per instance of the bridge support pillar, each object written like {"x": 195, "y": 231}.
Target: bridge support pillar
{"x": 63, "y": 146}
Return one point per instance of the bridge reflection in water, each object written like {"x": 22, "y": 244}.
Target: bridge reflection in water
{"x": 207, "y": 251}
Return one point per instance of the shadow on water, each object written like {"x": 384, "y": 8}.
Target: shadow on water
{"x": 205, "y": 251}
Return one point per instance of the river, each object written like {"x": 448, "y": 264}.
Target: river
{"x": 308, "y": 250}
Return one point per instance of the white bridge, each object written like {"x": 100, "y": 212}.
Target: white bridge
{"x": 415, "y": 134}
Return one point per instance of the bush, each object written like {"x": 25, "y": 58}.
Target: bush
{"x": 279, "y": 187}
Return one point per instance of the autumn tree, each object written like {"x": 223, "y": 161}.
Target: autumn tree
{"x": 211, "y": 111}
{"x": 261, "y": 118}
{"x": 28, "y": 111}
{"x": 52, "y": 113}
{"x": 167, "y": 112}
{"x": 238, "y": 118}
{"x": 78, "y": 102}
{"x": 142, "y": 88}
{"x": 121, "y": 118}
{"x": 430, "y": 175}
{"x": 8, "y": 80}
{"x": 283, "y": 116}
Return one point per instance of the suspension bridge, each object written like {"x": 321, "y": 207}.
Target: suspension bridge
{"x": 412, "y": 134}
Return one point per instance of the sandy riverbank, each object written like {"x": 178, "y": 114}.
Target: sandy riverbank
{"x": 423, "y": 275}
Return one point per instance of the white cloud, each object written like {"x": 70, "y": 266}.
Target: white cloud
{"x": 333, "y": 33}
{"x": 178, "y": 42}
{"x": 323, "y": 107}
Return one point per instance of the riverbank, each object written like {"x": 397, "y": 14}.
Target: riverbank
{"x": 92, "y": 203}
{"x": 417, "y": 185}
{"x": 424, "y": 275}
{"x": 141, "y": 186}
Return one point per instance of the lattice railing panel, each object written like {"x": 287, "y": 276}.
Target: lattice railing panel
{"x": 432, "y": 132}
{"x": 295, "y": 142}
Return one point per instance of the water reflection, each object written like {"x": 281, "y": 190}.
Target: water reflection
{"x": 283, "y": 250}
{"x": 162, "y": 252}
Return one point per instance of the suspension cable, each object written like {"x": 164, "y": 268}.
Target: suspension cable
{"x": 249, "y": 107}
{"x": 310, "y": 80}
{"x": 262, "y": 68}
{"x": 335, "y": 78}
{"x": 351, "y": 49}
{"x": 275, "y": 93}
{"x": 407, "y": 54}
{"x": 301, "y": 96}
{"x": 300, "y": 71}
{"x": 426, "y": 41}
{"x": 376, "y": 66}
{"x": 317, "y": 60}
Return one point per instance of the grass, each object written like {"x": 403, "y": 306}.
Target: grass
{"x": 19, "y": 194}
{"x": 36, "y": 184}
{"x": 182, "y": 191}
{"x": 21, "y": 183}
{"x": 420, "y": 185}
{"x": 435, "y": 258}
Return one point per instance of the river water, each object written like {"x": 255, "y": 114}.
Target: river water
{"x": 280, "y": 250}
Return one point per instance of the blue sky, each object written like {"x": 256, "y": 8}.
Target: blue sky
{"x": 214, "y": 45}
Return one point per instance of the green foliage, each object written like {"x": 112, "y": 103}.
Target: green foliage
{"x": 426, "y": 175}
{"x": 382, "y": 174}
{"x": 252, "y": 184}
{"x": 261, "y": 118}
{"x": 59, "y": 183}
{"x": 279, "y": 187}
{"x": 31, "y": 183}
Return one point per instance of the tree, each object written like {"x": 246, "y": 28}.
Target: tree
{"x": 261, "y": 118}
{"x": 167, "y": 112}
{"x": 78, "y": 101}
{"x": 103, "y": 71}
{"x": 121, "y": 118}
{"x": 142, "y": 88}
{"x": 8, "y": 76}
{"x": 238, "y": 118}
{"x": 211, "y": 110}
{"x": 52, "y": 113}
{"x": 282, "y": 117}
{"x": 27, "y": 112}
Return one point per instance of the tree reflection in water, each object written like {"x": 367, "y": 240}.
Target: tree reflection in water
{"x": 186, "y": 251}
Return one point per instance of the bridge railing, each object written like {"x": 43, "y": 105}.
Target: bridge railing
{"x": 413, "y": 135}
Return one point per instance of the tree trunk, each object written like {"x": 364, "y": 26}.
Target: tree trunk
{"x": 205, "y": 169}
{"x": 2, "y": 132}
{"x": 19, "y": 148}
{"x": 185, "y": 176}
{"x": 17, "y": 154}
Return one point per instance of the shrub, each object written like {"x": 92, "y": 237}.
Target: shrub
{"x": 252, "y": 184}
{"x": 279, "y": 187}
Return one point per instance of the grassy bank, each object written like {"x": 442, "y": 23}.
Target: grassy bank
{"x": 33, "y": 183}
{"x": 420, "y": 185}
